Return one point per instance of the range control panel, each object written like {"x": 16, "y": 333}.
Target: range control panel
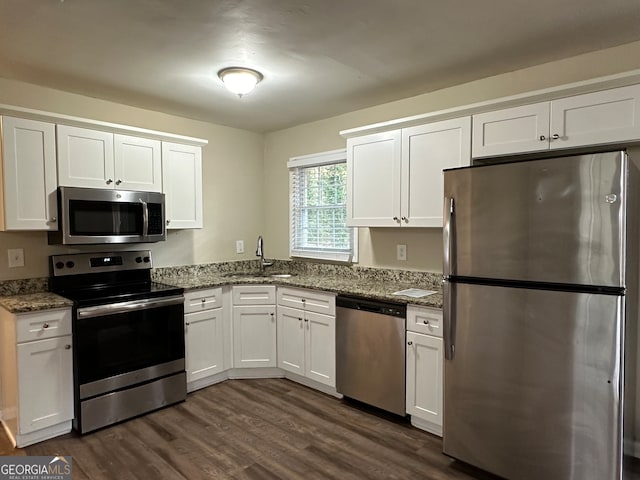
{"x": 79, "y": 263}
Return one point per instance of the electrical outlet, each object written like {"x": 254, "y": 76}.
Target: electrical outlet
{"x": 401, "y": 252}
{"x": 239, "y": 246}
{"x": 16, "y": 257}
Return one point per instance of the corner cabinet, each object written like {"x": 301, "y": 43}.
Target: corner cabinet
{"x": 395, "y": 178}
{"x": 182, "y": 185}
{"x": 36, "y": 368}
{"x": 425, "y": 364}
{"x": 96, "y": 159}
{"x": 306, "y": 334}
{"x": 29, "y": 179}
{"x": 204, "y": 335}
{"x": 605, "y": 117}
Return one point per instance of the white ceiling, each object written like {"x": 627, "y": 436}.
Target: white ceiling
{"x": 319, "y": 58}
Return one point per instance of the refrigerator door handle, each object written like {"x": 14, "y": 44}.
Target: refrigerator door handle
{"x": 447, "y": 234}
{"x": 448, "y": 319}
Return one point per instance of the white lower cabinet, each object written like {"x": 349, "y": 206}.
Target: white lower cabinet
{"x": 425, "y": 362}
{"x": 204, "y": 334}
{"x": 36, "y": 368}
{"x": 254, "y": 326}
{"x": 306, "y": 338}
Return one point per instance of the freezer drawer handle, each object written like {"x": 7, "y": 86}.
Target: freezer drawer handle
{"x": 448, "y": 318}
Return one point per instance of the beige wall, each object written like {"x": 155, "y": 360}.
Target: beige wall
{"x": 232, "y": 177}
{"x": 378, "y": 245}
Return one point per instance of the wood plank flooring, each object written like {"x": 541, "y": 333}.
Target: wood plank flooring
{"x": 258, "y": 430}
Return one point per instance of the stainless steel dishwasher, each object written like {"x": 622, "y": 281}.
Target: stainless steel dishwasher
{"x": 370, "y": 352}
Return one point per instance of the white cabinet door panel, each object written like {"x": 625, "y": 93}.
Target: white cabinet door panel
{"x": 291, "y": 334}
{"x": 373, "y": 180}
{"x": 426, "y": 151}
{"x": 30, "y": 177}
{"x": 511, "y": 130}
{"x": 204, "y": 343}
{"x": 320, "y": 348}
{"x": 254, "y": 336}
{"x": 596, "y": 118}
{"x": 424, "y": 377}
{"x": 138, "y": 163}
{"x": 85, "y": 157}
{"x": 45, "y": 366}
{"x": 182, "y": 185}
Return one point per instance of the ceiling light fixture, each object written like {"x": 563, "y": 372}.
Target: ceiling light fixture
{"x": 240, "y": 80}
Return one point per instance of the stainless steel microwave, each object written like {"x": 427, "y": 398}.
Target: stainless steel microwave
{"x": 94, "y": 215}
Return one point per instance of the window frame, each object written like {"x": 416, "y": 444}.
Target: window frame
{"x": 317, "y": 160}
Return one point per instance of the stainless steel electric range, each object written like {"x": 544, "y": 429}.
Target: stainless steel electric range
{"x": 128, "y": 336}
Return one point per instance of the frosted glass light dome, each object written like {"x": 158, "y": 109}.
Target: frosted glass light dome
{"x": 240, "y": 80}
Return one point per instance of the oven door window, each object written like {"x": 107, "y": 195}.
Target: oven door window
{"x": 114, "y": 344}
{"x": 99, "y": 218}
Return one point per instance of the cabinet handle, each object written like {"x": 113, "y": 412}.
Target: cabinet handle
{"x": 187, "y": 323}
{"x": 168, "y": 222}
{"x": 300, "y": 318}
{"x": 409, "y": 343}
{"x": 426, "y": 322}
{"x": 542, "y": 138}
{"x": 306, "y": 319}
{"x": 45, "y": 325}
{"x": 118, "y": 182}
{"x": 204, "y": 300}
{"x": 303, "y": 300}
{"x": 53, "y": 220}
{"x": 396, "y": 219}
{"x": 67, "y": 347}
{"x": 405, "y": 219}
{"x": 555, "y": 136}
{"x": 109, "y": 182}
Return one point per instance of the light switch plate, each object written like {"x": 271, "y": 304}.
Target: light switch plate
{"x": 401, "y": 252}
{"x": 239, "y": 246}
{"x": 16, "y": 257}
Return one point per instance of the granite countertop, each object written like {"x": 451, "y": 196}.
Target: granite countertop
{"x": 366, "y": 288}
{"x": 32, "y": 302}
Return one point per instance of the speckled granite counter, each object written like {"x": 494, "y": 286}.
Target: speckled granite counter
{"x": 377, "y": 284}
{"x": 32, "y": 302}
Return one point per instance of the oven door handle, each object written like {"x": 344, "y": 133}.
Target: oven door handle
{"x": 125, "y": 307}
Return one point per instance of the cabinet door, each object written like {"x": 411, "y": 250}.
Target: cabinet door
{"x": 511, "y": 130}
{"x": 204, "y": 343}
{"x": 320, "y": 358}
{"x": 291, "y": 343}
{"x": 182, "y": 185}
{"x": 85, "y": 157}
{"x": 424, "y": 377}
{"x": 204, "y": 299}
{"x": 596, "y": 118}
{"x": 373, "y": 180}
{"x": 30, "y": 179}
{"x": 426, "y": 151}
{"x": 137, "y": 164}
{"x": 254, "y": 336}
{"x": 45, "y": 383}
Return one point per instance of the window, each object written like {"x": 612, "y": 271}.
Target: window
{"x": 318, "y": 208}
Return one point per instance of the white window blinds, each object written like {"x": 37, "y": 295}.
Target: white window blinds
{"x": 318, "y": 208}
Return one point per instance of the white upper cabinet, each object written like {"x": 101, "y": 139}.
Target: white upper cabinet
{"x": 95, "y": 159}
{"x": 608, "y": 116}
{"x": 138, "y": 163}
{"x": 395, "y": 178}
{"x": 85, "y": 158}
{"x": 373, "y": 180}
{"x": 29, "y": 175}
{"x": 182, "y": 185}
{"x": 426, "y": 151}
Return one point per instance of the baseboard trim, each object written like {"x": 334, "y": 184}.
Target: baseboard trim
{"x": 329, "y": 390}
{"x": 426, "y": 425}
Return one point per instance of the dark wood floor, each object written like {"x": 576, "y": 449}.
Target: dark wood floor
{"x": 258, "y": 429}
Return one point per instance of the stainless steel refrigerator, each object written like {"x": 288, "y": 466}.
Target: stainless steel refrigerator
{"x": 540, "y": 314}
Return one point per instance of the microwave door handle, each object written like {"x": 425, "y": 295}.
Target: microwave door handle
{"x": 145, "y": 218}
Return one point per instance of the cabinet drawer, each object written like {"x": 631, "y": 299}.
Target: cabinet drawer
{"x": 254, "y": 295}
{"x": 424, "y": 320}
{"x": 198, "y": 300}
{"x": 308, "y": 300}
{"x": 41, "y": 325}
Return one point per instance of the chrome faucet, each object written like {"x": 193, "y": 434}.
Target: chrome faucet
{"x": 260, "y": 253}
